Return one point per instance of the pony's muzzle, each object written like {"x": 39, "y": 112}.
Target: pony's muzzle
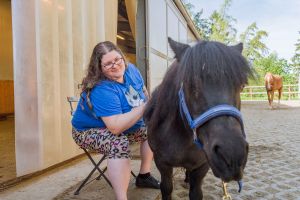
{"x": 230, "y": 162}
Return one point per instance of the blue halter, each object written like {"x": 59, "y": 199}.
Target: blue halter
{"x": 211, "y": 113}
{"x": 219, "y": 110}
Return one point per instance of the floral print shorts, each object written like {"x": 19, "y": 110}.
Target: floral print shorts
{"x": 105, "y": 142}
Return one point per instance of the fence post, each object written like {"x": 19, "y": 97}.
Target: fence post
{"x": 251, "y": 94}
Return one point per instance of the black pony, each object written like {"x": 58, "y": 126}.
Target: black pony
{"x": 193, "y": 117}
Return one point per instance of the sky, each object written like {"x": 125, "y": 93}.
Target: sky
{"x": 280, "y": 18}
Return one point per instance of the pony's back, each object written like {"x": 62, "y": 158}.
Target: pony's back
{"x": 162, "y": 98}
{"x": 273, "y": 81}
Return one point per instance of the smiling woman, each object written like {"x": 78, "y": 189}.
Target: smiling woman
{"x": 113, "y": 66}
{"x": 109, "y": 116}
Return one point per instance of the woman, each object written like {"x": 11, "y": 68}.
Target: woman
{"x": 109, "y": 116}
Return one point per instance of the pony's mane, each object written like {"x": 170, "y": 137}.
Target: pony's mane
{"x": 213, "y": 63}
{"x": 205, "y": 63}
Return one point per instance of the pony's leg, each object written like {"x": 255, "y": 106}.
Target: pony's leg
{"x": 269, "y": 98}
{"x": 196, "y": 177}
{"x": 279, "y": 96}
{"x": 272, "y": 97}
{"x": 187, "y": 176}
{"x": 166, "y": 184}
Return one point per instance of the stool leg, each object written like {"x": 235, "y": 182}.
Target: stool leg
{"x": 133, "y": 174}
{"x": 96, "y": 167}
{"x": 104, "y": 170}
{"x": 87, "y": 178}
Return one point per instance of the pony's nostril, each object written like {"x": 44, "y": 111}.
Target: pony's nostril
{"x": 217, "y": 150}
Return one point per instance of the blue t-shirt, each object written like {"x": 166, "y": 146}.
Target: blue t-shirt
{"x": 110, "y": 98}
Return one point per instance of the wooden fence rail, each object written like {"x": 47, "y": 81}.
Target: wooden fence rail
{"x": 290, "y": 92}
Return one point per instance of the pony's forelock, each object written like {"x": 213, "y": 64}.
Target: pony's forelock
{"x": 214, "y": 61}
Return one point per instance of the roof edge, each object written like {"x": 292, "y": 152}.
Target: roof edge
{"x": 187, "y": 17}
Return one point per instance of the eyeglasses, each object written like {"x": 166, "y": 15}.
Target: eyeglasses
{"x": 118, "y": 61}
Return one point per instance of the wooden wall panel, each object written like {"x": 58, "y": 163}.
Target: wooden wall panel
{"x": 6, "y": 97}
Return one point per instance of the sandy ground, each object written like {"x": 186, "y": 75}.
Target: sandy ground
{"x": 7, "y": 145}
{"x": 272, "y": 171}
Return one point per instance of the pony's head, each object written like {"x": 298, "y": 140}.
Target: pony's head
{"x": 269, "y": 81}
{"x": 212, "y": 74}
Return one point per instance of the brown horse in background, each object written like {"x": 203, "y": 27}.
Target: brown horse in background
{"x": 272, "y": 83}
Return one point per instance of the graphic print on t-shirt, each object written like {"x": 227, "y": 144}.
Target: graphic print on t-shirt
{"x": 133, "y": 97}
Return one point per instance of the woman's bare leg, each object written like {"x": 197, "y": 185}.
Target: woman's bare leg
{"x": 119, "y": 176}
{"x": 146, "y": 157}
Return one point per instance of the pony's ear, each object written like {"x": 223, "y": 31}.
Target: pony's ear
{"x": 178, "y": 48}
{"x": 238, "y": 47}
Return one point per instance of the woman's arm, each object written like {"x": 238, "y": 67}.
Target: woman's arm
{"x": 121, "y": 122}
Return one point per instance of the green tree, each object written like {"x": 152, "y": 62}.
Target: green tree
{"x": 219, "y": 26}
{"x": 222, "y": 25}
{"x": 296, "y": 63}
{"x": 254, "y": 47}
{"x": 272, "y": 63}
{"x": 203, "y": 25}
{"x": 296, "y": 58}
{"x": 189, "y": 7}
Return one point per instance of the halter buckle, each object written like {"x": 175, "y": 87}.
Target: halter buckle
{"x": 194, "y": 135}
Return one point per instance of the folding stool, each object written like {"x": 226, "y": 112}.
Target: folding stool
{"x": 74, "y": 100}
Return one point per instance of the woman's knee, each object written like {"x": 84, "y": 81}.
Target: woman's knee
{"x": 119, "y": 148}
{"x": 140, "y": 135}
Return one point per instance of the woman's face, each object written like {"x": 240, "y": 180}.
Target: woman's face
{"x": 113, "y": 66}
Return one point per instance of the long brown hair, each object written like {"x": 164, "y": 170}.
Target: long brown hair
{"x": 94, "y": 72}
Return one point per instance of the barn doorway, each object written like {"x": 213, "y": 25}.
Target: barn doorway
{"x": 7, "y": 121}
{"x": 131, "y": 33}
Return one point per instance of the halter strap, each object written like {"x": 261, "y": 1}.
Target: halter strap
{"x": 219, "y": 110}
